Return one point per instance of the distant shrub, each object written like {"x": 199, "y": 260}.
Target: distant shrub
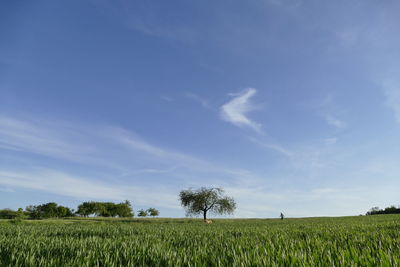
{"x": 8, "y": 214}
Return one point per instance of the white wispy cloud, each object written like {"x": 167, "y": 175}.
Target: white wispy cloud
{"x": 331, "y": 141}
{"x": 349, "y": 37}
{"x": 157, "y": 170}
{"x": 319, "y": 201}
{"x": 167, "y": 98}
{"x": 147, "y": 19}
{"x": 392, "y": 93}
{"x": 204, "y": 102}
{"x": 329, "y": 181}
{"x": 136, "y": 143}
{"x": 6, "y": 190}
{"x": 111, "y": 163}
{"x": 62, "y": 183}
{"x": 50, "y": 138}
{"x": 292, "y": 4}
{"x": 271, "y": 146}
{"x": 235, "y": 111}
{"x": 102, "y": 162}
{"x": 329, "y": 111}
{"x": 333, "y": 121}
{"x": 91, "y": 145}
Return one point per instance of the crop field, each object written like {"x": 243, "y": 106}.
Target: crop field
{"x": 345, "y": 241}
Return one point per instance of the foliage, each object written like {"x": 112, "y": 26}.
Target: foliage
{"x": 153, "y": 212}
{"x": 105, "y": 209}
{"x": 346, "y": 241}
{"x": 388, "y": 210}
{"x": 205, "y": 200}
{"x": 12, "y": 214}
{"x": 7, "y": 214}
{"x": 142, "y": 213}
{"x": 48, "y": 210}
{"x": 87, "y": 208}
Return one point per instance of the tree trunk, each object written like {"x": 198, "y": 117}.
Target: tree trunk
{"x": 205, "y": 214}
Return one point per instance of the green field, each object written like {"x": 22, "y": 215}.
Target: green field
{"x": 345, "y": 241}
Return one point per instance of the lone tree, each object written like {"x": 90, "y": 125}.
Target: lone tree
{"x": 202, "y": 200}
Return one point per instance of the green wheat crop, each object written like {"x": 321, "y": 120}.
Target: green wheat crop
{"x": 347, "y": 241}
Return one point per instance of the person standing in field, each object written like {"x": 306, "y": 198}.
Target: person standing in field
{"x": 282, "y": 216}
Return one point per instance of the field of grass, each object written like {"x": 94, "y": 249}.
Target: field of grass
{"x": 346, "y": 241}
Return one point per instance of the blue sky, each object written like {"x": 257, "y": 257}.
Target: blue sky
{"x": 291, "y": 106}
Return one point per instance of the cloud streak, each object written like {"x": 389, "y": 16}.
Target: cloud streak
{"x": 333, "y": 121}
{"x": 100, "y": 162}
{"x": 328, "y": 110}
{"x": 271, "y": 146}
{"x": 235, "y": 111}
{"x": 204, "y": 102}
{"x": 392, "y": 93}
{"x": 61, "y": 183}
{"x": 85, "y": 162}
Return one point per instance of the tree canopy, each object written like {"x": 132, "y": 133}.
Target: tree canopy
{"x": 153, "y": 212}
{"x": 205, "y": 200}
{"x": 12, "y": 214}
{"x": 105, "y": 209}
{"x": 142, "y": 213}
{"x": 48, "y": 210}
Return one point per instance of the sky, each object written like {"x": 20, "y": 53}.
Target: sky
{"x": 291, "y": 106}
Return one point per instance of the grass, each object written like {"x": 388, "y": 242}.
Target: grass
{"x": 344, "y": 241}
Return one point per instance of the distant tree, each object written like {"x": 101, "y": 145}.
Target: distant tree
{"x": 48, "y": 210}
{"x": 205, "y": 200}
{"x": 105, "y": 209}
{"x": 64, "y": 212}
{"x": 124, "y": 209}
{"x": 142, "y": 213}
{"x": 153, "y": 212}
{"x": 389, "y": 210}
{"x": 374, "y": 210}
{"x": 86, "y": 209}
{"x": 33, "y": 212}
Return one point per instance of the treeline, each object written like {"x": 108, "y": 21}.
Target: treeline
{"x": 388, "y": 210}
{"x": 86, "y": 209}
{"x": 44, "y": 211}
